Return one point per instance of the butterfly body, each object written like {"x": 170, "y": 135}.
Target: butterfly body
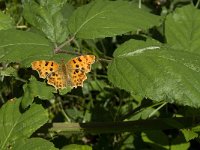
{"x": 72, "y": 74}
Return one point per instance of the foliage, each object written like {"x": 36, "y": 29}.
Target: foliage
{"x": 143, "y": 90}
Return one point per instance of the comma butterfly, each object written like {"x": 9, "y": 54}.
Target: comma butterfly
{"x": 73, "y": 73}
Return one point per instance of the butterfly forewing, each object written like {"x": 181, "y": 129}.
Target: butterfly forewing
{"x": 51, "y": 71}
{"x": 44, "y": 68}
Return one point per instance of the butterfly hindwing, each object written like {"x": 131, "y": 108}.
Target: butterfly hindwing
{"x": 57, "y": 79}
{"x": 77, "y": 69}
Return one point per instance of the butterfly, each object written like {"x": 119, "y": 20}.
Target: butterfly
{"x": 72, "y": 74}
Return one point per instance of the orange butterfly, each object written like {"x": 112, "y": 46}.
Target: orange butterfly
{"x": 73, "y": 73}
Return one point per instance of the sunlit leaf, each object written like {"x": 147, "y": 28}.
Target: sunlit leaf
{"x": 33, "y": 144}
{"x": 157, "y": 72}
{"x": 182, "y": 29}
{"x": 76, "y": 147}
{"x": 50, "y": 17}
{"x": 109, "y": 18}
{"x": 23, "y": 47}
{"x": 189, "y": 134}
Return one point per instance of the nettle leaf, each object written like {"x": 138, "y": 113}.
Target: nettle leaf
{"x": 34, "y": 143}
{"x": 23, "y": 47}
{"x": 6, "y": 22}
{"x": 51, "y": 17}
{"x": 109, "y": 18}
{"x": 15, "y": 125}
{"x": 157, "y": 72}
{"x": 189, "y": 134}
{"x": 182, "y": 29}
{"x": 36, "y": 89}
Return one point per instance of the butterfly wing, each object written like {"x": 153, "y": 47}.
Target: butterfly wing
{"x": 77, "y": 69}
{"x": 44, "y": 68}
{"x": 51, "y": 71}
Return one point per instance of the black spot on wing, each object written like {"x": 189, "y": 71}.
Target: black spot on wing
{"x": 79, "y": 59}
{"x": 46, "y": 63}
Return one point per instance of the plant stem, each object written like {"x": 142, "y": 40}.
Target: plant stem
{"x": 127, "y": 126}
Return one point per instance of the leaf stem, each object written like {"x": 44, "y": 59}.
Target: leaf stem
{"x": 63, "y": 112}
{"x": 139, "y": 4}
{"x": 68, "y": 52}
{"x": 65, "y": 115}
{"x": 104, "y": 60}
{"x": 197, "y": 4}
{"x": 57, "y": 49}
{"x": 139, "y": 109}
{"x": 150, "y": 115}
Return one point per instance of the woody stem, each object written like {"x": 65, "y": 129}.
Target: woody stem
{"x": 57, "y": 49}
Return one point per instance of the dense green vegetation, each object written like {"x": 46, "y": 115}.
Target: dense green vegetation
{"x": 143, "y": 91}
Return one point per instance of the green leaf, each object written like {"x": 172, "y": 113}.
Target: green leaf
{"x": 65, "y": 90}
{"x": 182, "y": 29}
{"x": 101, "y": 19}
{"x": 49, "y": 17}
{"x": 93, "y": 85}
{"x": 39, "y": 89}
{"x": 158, "y": 140}
{"x": 128, "y": 140}
{"x": 189, "y": 134}
{"x": 23, "y": 47}
{"x": 157, "y": 72}
{"x": 34, "y": 144}
{"x": 36, "y": 89}
{"x": 76, "y": 147}
{"x": 6, "y": 22}
{"x": 15, "y": 125}
{"x": 10, "y": 71}
{"x": 26, "y": 47}
{"x": 196, "y": 128}
{"x": 144, "y": 114}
